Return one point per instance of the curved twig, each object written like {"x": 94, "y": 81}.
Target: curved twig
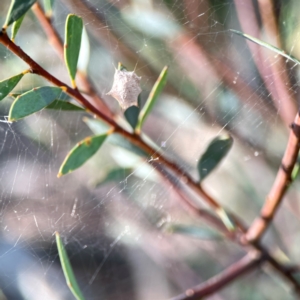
{"x": 214, "y": 284}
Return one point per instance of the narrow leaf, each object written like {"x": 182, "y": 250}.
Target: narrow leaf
{"x": 73, "y": 33}
{"x": 198, "y": 232}
{"x": 48, "y": 6}
{"x": 67, "y": 269}
{"x": 131, "y": 114}
{"x": 7, "y": 85}
{"x": 296, "y": 168}
{"x": 96, "y": 125}
{"x": 117, "y": 174}
{"x": 266, "y": 45}
{"x": 121, "y": 67}
{"x": 156, "y": 90}
{"x": 84, "y": 53}
{"x": 16, "y": 10}
{"x": 215, "y": 152}
{"x": 99, "y": 127}
{"x": 16, "y": 26}
{"x": 120, "y": 141}
{"x": 33, "y": 101}
{"x": 83, "y": 151}
{"x": 63, "y": 105}
{"x": 226, "y": 219}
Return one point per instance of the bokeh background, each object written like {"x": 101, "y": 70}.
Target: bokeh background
{"x": 111, "y": 213}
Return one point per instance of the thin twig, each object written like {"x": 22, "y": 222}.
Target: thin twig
{"x": 280, "y": 185}
{"x": 214, "y": 284}
{"x": 135, "y": 139}
{"x": 191, "y": 206}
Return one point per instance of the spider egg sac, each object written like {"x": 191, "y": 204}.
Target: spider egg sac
{"x": 126, "y": 88}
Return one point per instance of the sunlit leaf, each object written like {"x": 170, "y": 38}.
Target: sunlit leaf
{"x": 215, "y": 152}
{"x": 73, "y": 33}
{"x": 84, "y": 53}
{"x": 131, "y": 114}
{"x": 33, "y": 101}
{"x": 63, "y": 105}
{"x": 48, "y": 5}
{"x": 202, "y": 233}
{"x": 17, "y": 9}
{"x": 82, "y": 152}
{"x": 156, "y": 90}
{"x": 121, "y": 67}
{"x": 7, "y": 85}
{"x": 67, "y": 269}
{"x": 266, "y": 45}
{"x": 16, "y": 26}
{"x": 226, "y": 219}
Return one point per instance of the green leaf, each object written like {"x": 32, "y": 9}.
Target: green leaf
{"x": 120, "y": 141}
{"x": 202, "y": 233}
{"x": 97, "y": 126}
{"x": 296, "y": 168}
{"x": 121, "y": 67}
{"x": 33, "y": 101}
{"x": 84, "y": 53}
{"x": 215, "y": 152}
{"x": 83, "y": 151}
{"x": 67, "y": 268}
{"x": 266, "y": 45}
{"x": 16, "y": 26}
{"x": 131, "y": 114}
{"x": 117, "y": 174}
{"x": 226, "y": 219}
{"x": 48, "y": 6}
{"x": 7, "y": 85}
{"x": 63, "y": 105}
{"x": 73, "y": 33}
{"x": 16, "y": 10}
{"x": 156, "y": 90}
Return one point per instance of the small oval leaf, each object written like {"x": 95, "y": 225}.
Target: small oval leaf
{"x": 63, "y": 105}
{"x": 215, "y": 152}
{"x": 156, "y": 90}
{"x": 7, "y": 85}
{"x": 202, "y": 233}
{"x": 83, "y": 151}
{"x": 33, "y": 101}
{"x": 131, "y": 114}
{"x": 16, "y": 10}
{"x": 67, "y": 269}
{"x": 16, "y": 26}
{"x": 73, "y": 33}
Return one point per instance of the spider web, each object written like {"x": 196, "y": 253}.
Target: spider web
{"x": 111, "y": 212}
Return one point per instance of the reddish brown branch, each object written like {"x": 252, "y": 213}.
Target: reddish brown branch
{"x": 280, "y": 185}
{"x": 214, "y": 284}
{"x": 136, "y": 140}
